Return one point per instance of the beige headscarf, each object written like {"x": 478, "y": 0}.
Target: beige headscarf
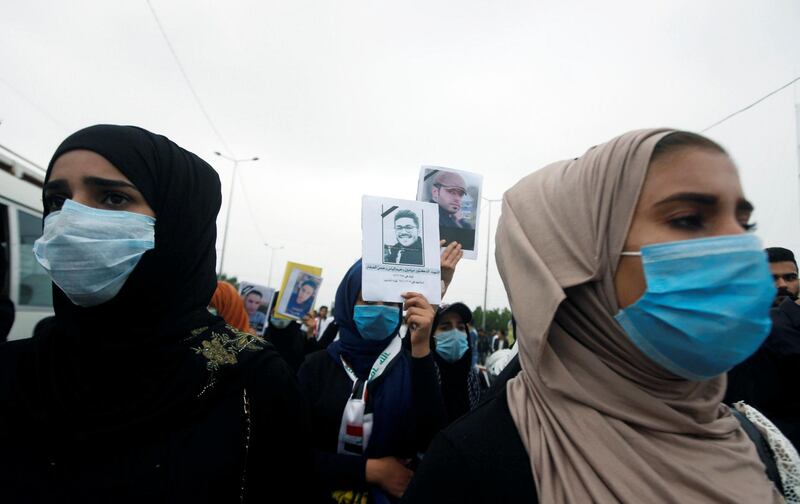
{"x": 600, "y": 421}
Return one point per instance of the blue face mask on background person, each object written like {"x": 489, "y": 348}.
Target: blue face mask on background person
{"x": 376, "y": 322}
{"x": 89, "y": 253}
{"x": 706, "y": 307}
{"x": 279, "y": 323}
{"x": 451, "y": 345}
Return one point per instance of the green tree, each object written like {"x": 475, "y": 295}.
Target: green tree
{"x": 230, "y": 279}
{"x": 496, "y": 319}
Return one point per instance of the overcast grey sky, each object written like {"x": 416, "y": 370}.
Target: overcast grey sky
{"x": 346, "y": 98}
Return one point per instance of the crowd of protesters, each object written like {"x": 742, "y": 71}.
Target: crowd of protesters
{"x": 651, "y": 357}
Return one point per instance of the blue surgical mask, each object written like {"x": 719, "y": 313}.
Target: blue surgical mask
{"x": 706, "y": 307}
{"x": 89, "y": 253}
{"x": 279, "y": 323}
{"x": 376, "y": 322}
{"x": 451, "y": 345}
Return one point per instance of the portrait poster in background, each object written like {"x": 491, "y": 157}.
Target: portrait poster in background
{"x": 458, "y": 196}
{"x": 298, "y": 291}
{"x": 400, "y": 249}
{"x": 257, "y": 301}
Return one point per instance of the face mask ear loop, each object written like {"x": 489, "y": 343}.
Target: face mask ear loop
{"x": 637, "y": 253}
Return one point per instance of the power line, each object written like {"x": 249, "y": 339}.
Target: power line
{"x": 35, "y": 105}
{"x": 188, "y": 81}
{"x": 752, "y": 104}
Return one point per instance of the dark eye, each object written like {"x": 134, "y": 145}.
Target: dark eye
{"x": 53, "y": 203}
{"x": 116, "y": 199}
{"x": 690, "y": 222}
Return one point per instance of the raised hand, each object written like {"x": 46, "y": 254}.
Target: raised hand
{"x": 419, "y": 319}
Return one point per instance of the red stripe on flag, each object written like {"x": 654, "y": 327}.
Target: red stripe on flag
{"x": 355, "y": 430}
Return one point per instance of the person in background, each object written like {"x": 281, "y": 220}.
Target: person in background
{"x": 460, "y": 382}
{"x": 473, "y": 343}
{"x": 619, "y": 396}
{"x": 375, "y": 406}
{"x": 252, "y": 301}
{"x": 134, "y": 392}
{"x": 784, "y": 271}
{"x": 484, "y": 346}
{"x": 767, "y": 379}
{"x": 309, "y": 326}
{"x": 322, "y": 322}
{"x": 287, "y": 337}
{"x": 228, "y": 304}
{"x": 500, "y": 341}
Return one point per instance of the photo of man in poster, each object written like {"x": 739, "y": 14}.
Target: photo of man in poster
{"x": 407, "y": 248}
{"x": 252, "y": 301}
{"x": 448, "y": 191}
{"x": 302, "y": 299}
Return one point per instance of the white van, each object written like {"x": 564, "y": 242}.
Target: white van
{"x": 24, "y": 281}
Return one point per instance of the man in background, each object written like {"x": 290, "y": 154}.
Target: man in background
{"x": 768, "y": 379}
{"x": 322, "y": 321}
{"x": 784, "y": 271}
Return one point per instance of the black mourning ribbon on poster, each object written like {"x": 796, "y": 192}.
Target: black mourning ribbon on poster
{"x": 431, "y": 174}
{"x": 387, "y": 212}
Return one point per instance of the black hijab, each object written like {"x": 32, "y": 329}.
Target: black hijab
{"x": 132, "y": 361}
{"x": 175, "y": 281}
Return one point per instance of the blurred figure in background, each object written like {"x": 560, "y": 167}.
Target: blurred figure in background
{"x": 458, "y": 377}
{"x": 784, "y": 271}
{"x": 500, "y": 341}
{"x": 768, "y": 379}
{"x": 287, "y": 337}
{"x": 323, "y": 320}
{"x": 228, "y": 304}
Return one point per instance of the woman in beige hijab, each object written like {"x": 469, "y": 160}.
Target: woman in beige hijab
{"x": 592, "y": 417}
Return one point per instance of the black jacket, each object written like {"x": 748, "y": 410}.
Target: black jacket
{"x": 203, "y": 457}
{"x": 484, "y": 449}
{"x": 327, "y": 388}
{"x": 290, "y": 342}
{"x": 768, "y": 379}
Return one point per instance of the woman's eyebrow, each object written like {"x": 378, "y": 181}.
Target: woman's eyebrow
{"x": 55, "y": 185}
{"x": 102, "y": 182}
{"x": 690, "y": 197}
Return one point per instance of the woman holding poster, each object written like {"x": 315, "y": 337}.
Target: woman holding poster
{"x": 375, "y": 405}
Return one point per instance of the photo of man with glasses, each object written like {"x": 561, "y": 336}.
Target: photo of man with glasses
{"x": 407, "y": 246}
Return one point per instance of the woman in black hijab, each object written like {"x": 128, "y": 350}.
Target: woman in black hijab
{"x": 460, "y": 382}
{"x": 135, "y": 392}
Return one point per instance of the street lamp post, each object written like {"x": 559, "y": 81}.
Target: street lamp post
{"x": 230, "y": 200}
{"x": 272, "y": 249}
{"x": 488, "y": 247}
